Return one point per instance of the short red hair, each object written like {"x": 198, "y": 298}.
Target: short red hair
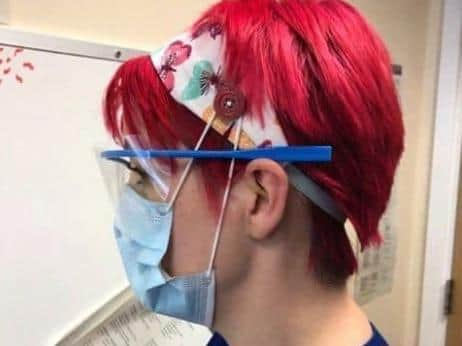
{"x": 328, "y": 76}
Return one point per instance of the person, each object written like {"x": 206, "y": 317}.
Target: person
{"x": 244, "y": 146}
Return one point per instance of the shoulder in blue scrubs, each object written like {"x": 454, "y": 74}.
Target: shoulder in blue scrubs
{"x": 376, "y": 340}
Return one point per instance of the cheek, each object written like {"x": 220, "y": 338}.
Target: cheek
{"x": 234, "y": 249}
{"x": 193, "y": 230}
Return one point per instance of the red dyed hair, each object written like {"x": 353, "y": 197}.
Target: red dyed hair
{"x": 328, "y": 76}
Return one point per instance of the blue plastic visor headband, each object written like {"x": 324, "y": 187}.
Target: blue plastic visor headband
{"x": 283, "y": 154}
{"x": 280, "y": 154}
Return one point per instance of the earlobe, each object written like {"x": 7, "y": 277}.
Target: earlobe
{"x": 269, "y": 182}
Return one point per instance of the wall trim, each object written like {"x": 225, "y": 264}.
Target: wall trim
{"x": 11, "y": 36}
{"x": 444, "y": 179}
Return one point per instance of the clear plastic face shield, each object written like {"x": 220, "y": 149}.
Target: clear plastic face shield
{"x": 150, "y": 177}
{"x": 156, "y": 174}
{"x": 144, "y": 184}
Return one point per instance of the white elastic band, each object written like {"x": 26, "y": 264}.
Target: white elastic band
{"x": 225, "y": 199}
{"x": 190, "y": 162}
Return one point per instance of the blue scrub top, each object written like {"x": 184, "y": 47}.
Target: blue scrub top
{"x": 376, "y": 340}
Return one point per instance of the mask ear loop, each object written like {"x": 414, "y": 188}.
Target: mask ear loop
{"x": 225, "y": 200}
{"x": 190, "y": 162}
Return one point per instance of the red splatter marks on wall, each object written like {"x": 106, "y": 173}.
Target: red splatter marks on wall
{"x": 28, "y": 65}
{"x": 11, "y": 64}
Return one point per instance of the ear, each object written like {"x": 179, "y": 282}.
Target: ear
{"x": 267, "y": 184}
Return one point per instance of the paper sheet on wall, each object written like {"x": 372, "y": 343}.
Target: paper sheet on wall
{"x": 130, "y": 324}
{"x": 376, "y": 265}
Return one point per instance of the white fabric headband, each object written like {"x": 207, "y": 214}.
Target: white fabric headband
{"x": 189, "y": 66}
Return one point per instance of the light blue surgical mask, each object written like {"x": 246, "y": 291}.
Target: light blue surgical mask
{"x": 142, "y": 229}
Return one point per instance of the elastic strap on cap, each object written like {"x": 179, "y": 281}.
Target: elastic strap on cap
{"x": 225, "y": 198}
{"x": 190, "y": 162}
{"x": 312, "y": 190}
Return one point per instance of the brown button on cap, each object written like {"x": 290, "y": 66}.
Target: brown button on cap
{"x": 229, "y": 101}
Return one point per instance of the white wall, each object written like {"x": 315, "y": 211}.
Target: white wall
{"x": 56, "y": 244}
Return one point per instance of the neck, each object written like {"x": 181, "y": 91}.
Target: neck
{"x": 279, "y": 303}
